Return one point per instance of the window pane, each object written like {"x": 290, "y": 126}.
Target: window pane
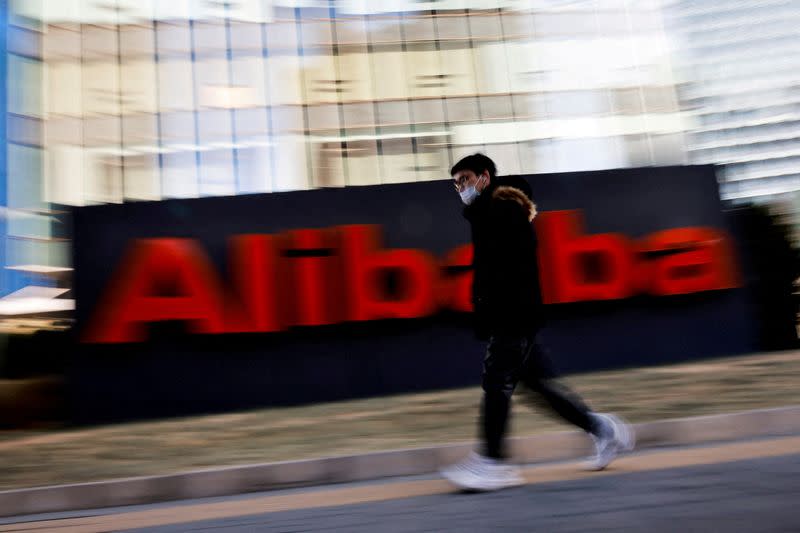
{"x": 180, "y": 175}
{"x": 24, "y": 130}
{"x": 173, "y": 37}
{"x": 287, "y": 119}
{"x": 317, "y": 34}
{"x": 137, "y": 41}
{"x": 216, "y": 173}
{"x": 65, "y": 175}
{"x": 517, "y": 25}
{"x": 430, "y": 164}
{"x": 24, "y": 86}
{"x": 323, "y": 117}
{"x": 359, "y": 116}
{"x": 462, "y": 109}
{"x": 210, "y": 36}
{"x": 291, "y": 167}
{"x": 25, "y": 185}
{"x": 284, "y": 80}
{"x": 427, "y": 79}
{"x": 351, "y": 31}
{"x": 328, "y": 164}
{"x": 578, "y": 104}
{"x": 506, "y": 157}
{"x": 390, "y": 75}
{"x": 457, "y": 67}
{"x": 384, "y": 30}
{"x": 523, "y": 66}
{"x": 177, "y": 128}
{"x": 354, "y": 71}
{"x": 214, "y": 125}
{"x": 63, "y": 130}
{"x": 362, "y": 163}
{"x": 251, "y": 123}
{"x": 103, "y": 177}
{"x": 246, "y": 36}
{"x": 101, "y": 88}
{"x": 62, "y": 42}
{"x": 175, "y": 84}
{"x": 139, "y": 130}
{"x": 419, "y": 28}
{"x": 24, "y": 42}
{"x": 454, "y": 27}
{"x": 321, "y": 81}
{"x": 102, "y": 131}
{"x": 494, "y": 107}
{"x": 141, "y": 177}
{"x": 99, "y": 42}
{"x": 255, "y": 169}
{"x": 399, "y": 161}
{"x": 211, "y": 79}
{"x": 390, "y": 113}
{"x": 248, "y": 72}
{"x": 282, "y": 37}
{"x": 428, "y": 110}
{"x": 491, "y": 68}
{"x": 485, "y": 27}
{"x": 139, "y": 86}
{"x": 65, "y": 88}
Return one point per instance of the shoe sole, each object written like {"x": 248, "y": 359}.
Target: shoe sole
{"x": 469, "y": 483}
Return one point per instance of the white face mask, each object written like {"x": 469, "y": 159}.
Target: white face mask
{"x": 469, "y": 194}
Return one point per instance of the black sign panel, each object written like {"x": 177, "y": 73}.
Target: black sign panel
{"x": 169, "y": 370}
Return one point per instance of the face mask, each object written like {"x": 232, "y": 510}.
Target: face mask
{"x": 469, "y": 194}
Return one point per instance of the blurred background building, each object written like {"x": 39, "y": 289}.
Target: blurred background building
{"x": 739, "y": 70}
{"x": 128, "y": 100}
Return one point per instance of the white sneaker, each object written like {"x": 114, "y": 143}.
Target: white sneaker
{"x": 479, "y": 473}
{"x": 615, "y": 436}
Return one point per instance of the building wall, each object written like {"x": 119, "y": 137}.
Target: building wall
{"x": 195, "y": 103}
{"x": 129, "y": 100}
{"x": 739, "y": 61}
{"x": 27, "y": 237}
{"x": 4, "y": 283}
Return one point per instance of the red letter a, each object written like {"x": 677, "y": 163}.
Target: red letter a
{"x": 161, "y": 279}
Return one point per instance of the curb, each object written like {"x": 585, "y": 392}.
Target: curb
{"x": 416, "y": 461}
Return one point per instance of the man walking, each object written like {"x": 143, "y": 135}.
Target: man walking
{"x": 509, "y": 314}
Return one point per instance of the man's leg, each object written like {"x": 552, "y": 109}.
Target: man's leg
{"x": 540, "y": 377}
{"x": 611, "y": 435}
{"x": 501, "y": 370}
{"x": 486, "y": 470}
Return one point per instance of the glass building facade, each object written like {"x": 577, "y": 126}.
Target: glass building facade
{"x": 29, "y": 247}
{"x": 129, "y": 100}
{"x": 739, "y": 66}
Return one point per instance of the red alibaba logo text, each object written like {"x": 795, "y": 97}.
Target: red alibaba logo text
{"x": 316, "y": 277}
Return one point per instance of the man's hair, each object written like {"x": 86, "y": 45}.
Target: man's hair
{"x": 477, "y": 163}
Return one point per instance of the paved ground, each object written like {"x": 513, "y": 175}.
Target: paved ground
{"x": 76, "y": 455}
{"x": 749, "y": 496}
{"x": 735, "y": 487}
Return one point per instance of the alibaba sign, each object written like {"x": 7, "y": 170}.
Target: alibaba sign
{"x": 314, "y": 277}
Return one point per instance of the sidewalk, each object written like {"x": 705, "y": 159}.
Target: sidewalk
{"x": 673, "y": 489}
{"x": 363, "y": 426}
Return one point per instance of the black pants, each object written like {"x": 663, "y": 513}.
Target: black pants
{"x": 513, "y": 358}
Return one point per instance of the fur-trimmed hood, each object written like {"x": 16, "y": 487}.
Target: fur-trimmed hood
{"x": 512, "y": 194}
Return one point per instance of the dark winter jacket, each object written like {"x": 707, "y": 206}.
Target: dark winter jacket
{"x": 505, "y": 291}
